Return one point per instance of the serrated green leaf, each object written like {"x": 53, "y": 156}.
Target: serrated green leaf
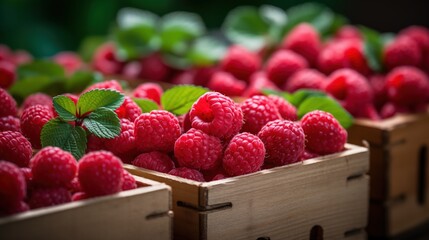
{"x": 24, "y": 87}
{"x": 98, "y": 98}
{"x": 179, "y": 99}
{"x": 89, "y": 45}
{"x": 298, "y": 97}
{"x": 146, "y": 105}
{"x": 135, "y": 42}
{"x": 326, "y": 104}
{"x": 82, "y": 79}
{"x": 103, "y": 123}
{"x": 65, "y": 108}
{"x": 132, "y": 17}
{"x": 65, "y": 136}
{"x": 206, "y": 51}
{"x": 373, "y": 48}
{"x": 40, "y": 68}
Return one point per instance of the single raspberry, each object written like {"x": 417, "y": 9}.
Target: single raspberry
{"x": 219, "y": 173}
{"x": 258, "y": 82}
{"x": 7, "y": 103}
{"x": 156, "y": 161}
{"x": 219, "y": 176}
{"x": 37, "y": 99}
{"x": 390, "y": 109}
{"x": 308, "y": 155}
{"x": 10, "y": 123}
{"x": 53, "y": 167}
{"x": 244, "y": 154}
{"x": 156, "y": 131}
{"x": 132, "y": 70}
{"x": 227, "y": 84}
{"x": 152, "y": 91}
{"x": 258, "y": 111}
{"x": 105, "y": 60}
{"x": 286, "y": 110}
{"x": 128, "y": 181}
{"x": 304, "y": 40}
{"x": 402, "y": 51}
{"x": 74, "y": 185}
{"x": 18, "y": 207}
{"x": 128, "y": 110}
{"x": 32, "y": 121}
{"x": 7, "y": 74}
{"x": 12, "y": 185}
{"x": 306, "y": 78}
{"x": 377, "y": 83}
{"x": 100, "y": 173}
{"x": 70, "y": 61}
{"x": 348, "y": 32}
{"x": 420, "y": 35}
{"x": 203, "y": 75}
{"x": 284, "y": 142}
{"x": 5, "y": 53}
{"x": 197, "y": 150}
{"x": 369, "y": 111}
{"x": 112, "y": 84}
{"x": 15, "y": 148}
{"x": 123, "y": 143}
{"x": 216, "y": 115}
{"x": 27, "y": 174}
{"x": 282, "y": 64}
{"x": 240, "y": 62}
{"x": 183, "y": 77}
{"x": 78, "y": 196}
{"x": 187, "y": 173}
{"x": 351, "y": 89}
{"x": 154, "y": 68}
{"x": 323, "y": 133}
{"x": 45, "y": 197}
{"x": 21, "y": 56}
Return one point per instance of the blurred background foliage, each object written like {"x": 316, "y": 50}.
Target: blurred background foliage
{"x": 46, "y": 27}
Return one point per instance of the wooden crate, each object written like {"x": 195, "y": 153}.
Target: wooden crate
{"x": 398, "y": 170}
{"x": 142, "y": 213}
{"x": 323, "y": 196}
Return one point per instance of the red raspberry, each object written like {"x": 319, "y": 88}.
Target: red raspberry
{"x": 128, "y": 110}
{"x": 45, "y": 197}
{"x": 79, "y": 196}
{"x": 123, "y": 143}
{"x": 286, "y": 110}
{"x": 12, "y": 185}
{"x": 15, "y": 148}
{"x": 183, "y": 77}
{"x": 283, "y": 64}
{"x": 5, "y": 53}
{"x": 377, "y": 83}
{"x": 94, "y": 143}
{"x": 185, "y": 122}
{"x": 197, "y": 150}
{"x": 132, "y": 70}
{"x": 308, "y": 155}
{"x": 105, "y": 60}
{"x": 284, "y": 142}
{"x": 100, "y": 173}
{"x": 112, "y": 84}
{"x": 27, "y": 174}
{"x": 53, "y": 167}
{"x": 21, "y": 57}
{"x": 7, "y": 103}
{"x": 37, "y": 99}
{"x": 154, "y": 68}
{"x": 70, "y": 61}
{"x": 156, "y": 131}
{"x": 7, "y": 74}
{"x": 74, "y": 185}
{"x": 258, "y": 82}
{"x": 227, "y": 84}
{"x": 420, "y": 35}
{"x": 348, "y": 32}
{"x": 244, "y": 154}
{"x": 219, "y": 176}
{"x": 10, "y": 123}
{"x": 156, "y": 161}
{"x": 351, "y": 89}
{"x": 258, "y": 111}
{"x": 216, "y": 115}
{"x": 306, "y": 78}
{"x": 16, "y": 208}
{"x": 187, "y": 173}
{"x": 402, "y": 51}
{"x": 32, "y": 121}
{"x": 152, "y": 91}
{"x": 128, "y": 181}
{"x": 203, "y": 75}
{"x": 304, "y": 40}
{"x": 240, "y": 62}
{"x": 323, "y": 133}
{"x": 407, "y": 86}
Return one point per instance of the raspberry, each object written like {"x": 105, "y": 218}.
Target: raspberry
{"x": 402, "y": 51}
{"x": 286, "y": 110}
{"x": 15, "y": 208}
{"x": 154, "y": 68}
{"x": 323, "y": 133}
{"x": 227, "y": 84}
{"x": 183, "y": 77}
{"x": 45, "y": 197}
{"x": 156, "y": 131}
{"x": 203, "y": 75}
{"x": 112, "y": 84}
{"x": 407, "y": 86}
{"x": 129, "y": 156}
{"x": 7, "y": 74}
{"x": 7, "y": 103}
{"x": 123, "y": 143}
{"x": 351, "y": 89}
{"x": 94, "y": 143}
{"x": 15, "y": 148}
{"x": 152, "y": 91}
{"x": 304, "y": 40}
{"x": 70, "y": 61}
{"x": 105, "y": 60}
{"x": 74, "y": 185}
{"x": 100, "y": 173}
{"x": 132, "y": 70}
{"x": 240, "y": 62}
{"x": 258, "y": 111}
{"x": 10, "y": 123}
{"x": 219, "y": 176}
{"x": 348, "y": 32}
{"x": 377, "y": 83}
{"x": 197, "y": 150}
{"x": 21, "y": 57}
{"x": 258, "y": 82}
{"x": 53, "y": 167}
{"x": 244, "y": 154}
{"x": 284, "y": 142}
{"x": 308, "y": 155}
{"x": 12, "y": 185}
{"x": 5, "y": 53}
{"x": 390, "y": 109}
{"x": 79, "y": 196}
{"x": 32, "y": 121}
{"x": 27, "y": 174}
{"x": 216, "y": 115}
{"x": 128, "y": 181}
{"x": 37, "y": 99}
{"x": 185, "y": 122}
{"x": 306, "y": 78}
{"x": 420, "y": 35}
{"x": 156, "y": 161}
{"x": 128, "y": 110}
{"x": 187, "y": 173}
{"x": 283, "y": 64}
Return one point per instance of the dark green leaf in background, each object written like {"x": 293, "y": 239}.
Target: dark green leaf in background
{"x": 373, "y": 47}
{"x": 206, "y": 51}
{"x": 40, "y": 68}
{"x": 82, "y": 79}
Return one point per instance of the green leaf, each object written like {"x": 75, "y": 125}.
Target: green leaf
{"x": 373, "y": 48}
{"x": 326, "y": 104}
{"x": 176, "y": 61}
{"x": 146, "y": 105}
{"x": 65, "y": 136}
{"x": 103, "y": 123}
{"x": 40, "y": 68}
{"x": 132, "y": 17}
{"x": 276, "y": 18}
{"x": 98, "y": 98}
{"x": 284, "y": 95}
{"x": 65, "y": 108}
{"x": 298, "y": 97}
{"x": 179, "y": 99}
{"x": 82, "y": 79}
{"x": 89, "y": 45}
{"x": 206, "y": 51}
{"x": 24, "y": 87}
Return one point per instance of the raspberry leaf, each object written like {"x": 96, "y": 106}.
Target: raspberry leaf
{"x": 65, "y": 108}
{"x": 132, "y": 17}
{"x": 103, "y": 123}
{"x": 24, "y": 87}
{"x": 206, "y": 51}
{"x": 82, "y": 79}
{"x": 298, "y": 97}
{"x": 89, "y": 45}
{"x": 97, "y": 98}
{"x": 146, "y": 105}
{"x": 179, "y": 99}
{"x": 65, "y": 136}
{"x": 40, "y": 68}
{"x": 373, "y": 48}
